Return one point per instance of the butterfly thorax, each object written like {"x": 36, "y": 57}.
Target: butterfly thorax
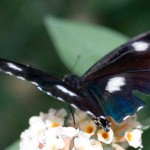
{"x": 72, "y": 80}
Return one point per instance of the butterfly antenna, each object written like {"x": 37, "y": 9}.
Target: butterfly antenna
{"x": 77, "y": 60}
{"x": 72, "y": 115}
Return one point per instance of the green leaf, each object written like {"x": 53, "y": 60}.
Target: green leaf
{"x": 14, "y": 146}
{"x": 86, "y": 41}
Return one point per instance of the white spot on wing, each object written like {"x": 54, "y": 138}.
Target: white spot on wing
{"x": 48, "y": 93}
{"x": 140, "y": 46}
{"x": 40, "y": 88}
{"x": 11, "y": 65}
{"x": 140, "y": 108}
{"x": 89, "y": 112}
{"x": 65, "y": 90}
{"x": 102, "y": 117}
{"x": 126, "y": 117}
{"x": 114, "y": 84}
{"x": 7, "y": 72}
{"x": 34, "y": 83}
{"x": 59, "y": 98}
{"x": 74, "y": 106}
{"x": 20, "y": 78}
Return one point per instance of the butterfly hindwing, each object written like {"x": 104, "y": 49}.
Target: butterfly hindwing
{"x": 116, "y": 99}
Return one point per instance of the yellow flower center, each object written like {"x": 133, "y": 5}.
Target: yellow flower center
{"x": 89, "y": 129}
{"x": 55, "y": 124}
{"x": 129, "y": 136}
{"x": 105, "y": 135}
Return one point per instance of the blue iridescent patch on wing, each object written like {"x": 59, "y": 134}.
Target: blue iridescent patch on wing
{"x": 118, "y": 105}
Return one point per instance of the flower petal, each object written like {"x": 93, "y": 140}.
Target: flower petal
{"x": 105, "y": 137}
{"x": 134, "y": 138}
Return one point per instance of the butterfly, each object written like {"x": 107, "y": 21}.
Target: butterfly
{"x": 106, "y": 89}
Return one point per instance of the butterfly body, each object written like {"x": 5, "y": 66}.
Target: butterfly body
{"x": 106, "y": 89}
{"x": 82, "y": 89}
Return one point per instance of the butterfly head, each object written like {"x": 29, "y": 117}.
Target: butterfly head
{"x": 102, "y": 122}
{"x": 72, "y": 80}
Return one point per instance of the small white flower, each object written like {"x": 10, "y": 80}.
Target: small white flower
{"x": 61, "y": 113}
{"x": 37, "y": 126}
{"x": 50, "y": 133}
{"x": 69, "y": 132}
{"x": 54, "y": 144}
{"x": 105, "y": 137}
{"x": 88, "y": 127}
{"x": 29, "y": 144}
{"x": 54, "y": 118}
{"x": 54, "y": 123}
{"x": 134, "y": 138}
{"x": 34, "y": 120}
{"x": 79, "y": 115}
{"x": 96, "y": 145}
{"x": 82, "y": 143}
{"x": 42, "y": 132}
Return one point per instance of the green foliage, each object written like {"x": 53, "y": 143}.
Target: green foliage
{"x": 88, "y": 42}
{"x": 14, "y": 146}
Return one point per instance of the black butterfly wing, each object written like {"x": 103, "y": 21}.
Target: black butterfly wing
{"x": 113, "y": 79}
{"x": 49, "y": 84}
{"x": 115, "y": 95}
{"x": 125, "y": 49}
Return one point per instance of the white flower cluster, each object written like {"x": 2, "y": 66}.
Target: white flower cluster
{"x": 47, "y": 132}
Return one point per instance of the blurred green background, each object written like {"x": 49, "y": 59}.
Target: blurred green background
{"x": 24, "y": 38}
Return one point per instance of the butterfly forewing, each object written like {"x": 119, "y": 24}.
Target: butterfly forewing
{"x": 50, "y": 85}
{"x": 114, "y": 78}
{"x": 123, "y": 59}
